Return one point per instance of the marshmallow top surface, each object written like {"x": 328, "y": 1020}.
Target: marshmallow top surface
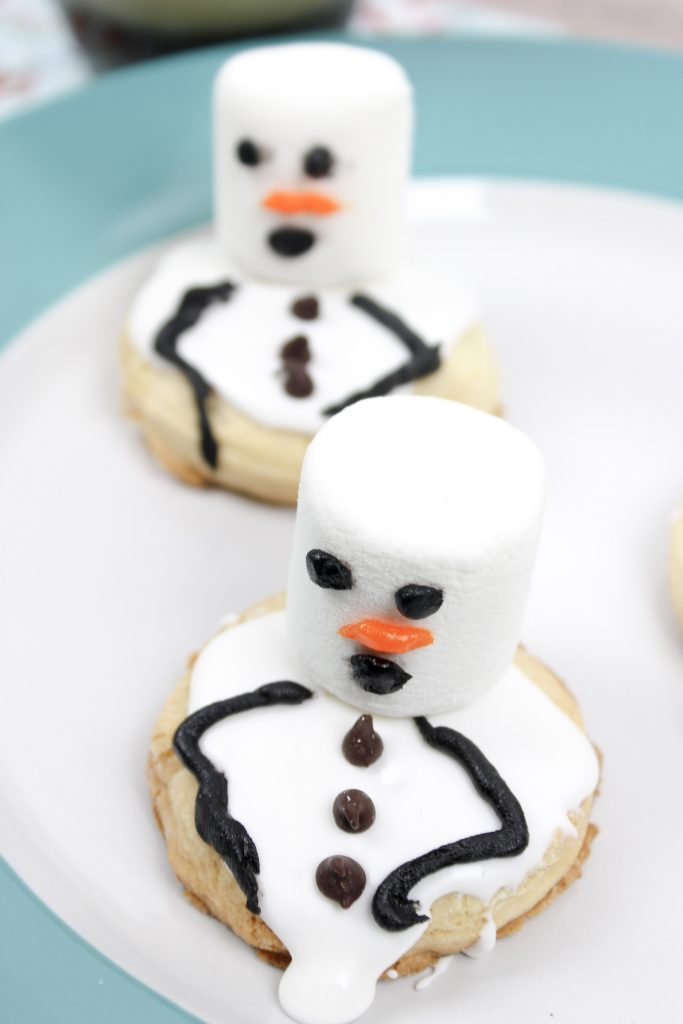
{"x": 312, "y": 74}
{"x": 424, "y": 475}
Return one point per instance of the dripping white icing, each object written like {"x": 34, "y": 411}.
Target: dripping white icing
{"x": 432, "y": 973}
{"x": 486, "y": 940}
{"x": 285, "y": 767}
{"x": 236, "y": 346}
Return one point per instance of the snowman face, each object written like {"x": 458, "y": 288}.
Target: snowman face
{"x": 410, "y": 570}
{"x": 293, "y": 218}
{"x": 398, "y": 636}
{"x": 310, "y": 169}
{"x": 374, "y": 639}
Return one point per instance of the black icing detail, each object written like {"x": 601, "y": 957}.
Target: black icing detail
{"x": 377, "y": 675}
{"x": 213, "y": 821}
{"x": 327, "y": 571}
{"x": 391, "y": 906}
{"x": 417, "y": 602}
{"x": 424, "y": 358}
{"x": 291, "y": 242}
{"x": 248, "y": 153}
{"x": 192, "y": 306}
{"x": 318, "y": 162}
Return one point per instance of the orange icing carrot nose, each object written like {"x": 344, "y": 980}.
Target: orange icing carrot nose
{"x": 387, "y": 637}
{"x": 301, "y": 202}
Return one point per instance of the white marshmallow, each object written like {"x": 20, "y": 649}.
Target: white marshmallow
{"x": 287, "y": 100}
{"x": 408, "y": 490}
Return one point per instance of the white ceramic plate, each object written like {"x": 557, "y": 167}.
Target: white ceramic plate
{"x": 112, "y": 573}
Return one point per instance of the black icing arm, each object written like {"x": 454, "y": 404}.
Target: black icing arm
{"x": 192, "y": 306}
{"x": 391, "y": 907}
{"x": 423, "y": 359}
{"x": 213, "y": 820}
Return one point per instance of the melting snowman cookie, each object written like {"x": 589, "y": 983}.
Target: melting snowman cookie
{"x": 371, "y": 779}
{"x": 241, "y": 346}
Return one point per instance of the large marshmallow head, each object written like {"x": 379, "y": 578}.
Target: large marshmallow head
{"x": 312, "y": 156}
{"x": 416, "y": 532}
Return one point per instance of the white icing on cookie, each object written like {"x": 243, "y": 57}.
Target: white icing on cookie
{"x": 408, "y": 490}
{"x": 286, "y": 101}
{"x": 285, "y": 767}
{"x": 236, "y": 345}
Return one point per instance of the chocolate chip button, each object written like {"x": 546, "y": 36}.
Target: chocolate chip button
{"x": 362, "y": 745}
{"x": 306, "y": 308}
{"x": 296, "y": 349}
{"x": 295, "y": 354}
{"x": 298, "y": 383}
{"x": 353, "y": 810}
{"x": 341, "y": 879}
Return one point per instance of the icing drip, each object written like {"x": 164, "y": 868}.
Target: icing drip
{"x": 391, "y": 907}
{"x": 440, "y": 967}
{"x": 192, "y": 305}
{"x": 213, "y": 820}
{"x": 486, "y": 940}
{"x": 424, "y": 358}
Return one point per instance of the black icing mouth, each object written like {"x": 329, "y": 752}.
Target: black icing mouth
{"x": 377, "y": 675}
{"x": 291, "y": 241}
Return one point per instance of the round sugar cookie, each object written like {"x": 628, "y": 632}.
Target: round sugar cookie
{"x": 383, "y": 777}
{"x": 457, "y": 922}
{"x": 256, "y": 458}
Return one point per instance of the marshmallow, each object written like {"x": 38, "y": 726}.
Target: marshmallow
{"x": 416, "y": 533}
{"x": 312, "y": 156}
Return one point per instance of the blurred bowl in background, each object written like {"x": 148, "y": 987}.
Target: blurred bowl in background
{"x": 120, "y": 31}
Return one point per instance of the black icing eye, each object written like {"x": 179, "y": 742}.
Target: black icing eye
{"x": 318, "y": 162}
{"x": 248, "y": 153}
{"x": 416, "y": 602}
{"x": 328, "y": 572}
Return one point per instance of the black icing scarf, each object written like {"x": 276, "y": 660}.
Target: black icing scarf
{"x": 190, "y": 311}
{"x": 391, "y": 907}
